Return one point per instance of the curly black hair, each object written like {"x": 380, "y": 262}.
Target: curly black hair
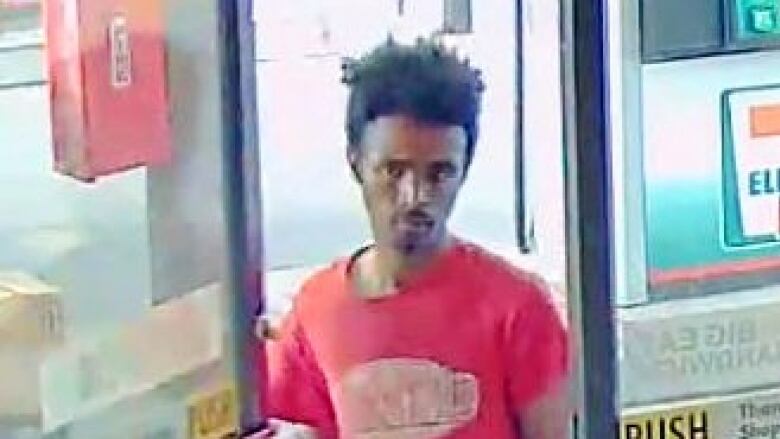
{"x": 425, "y": 81}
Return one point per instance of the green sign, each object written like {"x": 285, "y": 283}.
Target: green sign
{"x": 758, "y": 18}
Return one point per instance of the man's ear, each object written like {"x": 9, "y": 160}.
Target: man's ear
{"x": 353, "y": 158}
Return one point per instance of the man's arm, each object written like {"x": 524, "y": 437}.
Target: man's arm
{"x": 539, "y": 361}
{"x": 297, "y": 390}
{"x": 549, "y": 416}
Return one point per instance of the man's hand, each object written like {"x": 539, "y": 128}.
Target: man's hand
{"x": 279, "y": 429}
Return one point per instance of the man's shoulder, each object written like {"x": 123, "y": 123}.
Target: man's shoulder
{"x": 503, "y": 282}
{"x": 321, "y": 285}
{"x": 490, "y": 266}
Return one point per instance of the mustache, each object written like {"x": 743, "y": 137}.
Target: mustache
{"x": 416, "y": 215}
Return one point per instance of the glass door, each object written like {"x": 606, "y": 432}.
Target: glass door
{"x": 124, "y": 309}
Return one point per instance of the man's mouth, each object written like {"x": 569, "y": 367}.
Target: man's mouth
{"x": 414, "y": 229}
{"x": 417, "y": 221}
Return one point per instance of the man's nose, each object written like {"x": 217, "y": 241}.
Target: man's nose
{"x": 412, "y": 190}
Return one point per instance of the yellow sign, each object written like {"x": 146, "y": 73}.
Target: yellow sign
{"x": 754, "y": 415}
{"x": 213, "y": 416}
{"x": 688, "y": 423}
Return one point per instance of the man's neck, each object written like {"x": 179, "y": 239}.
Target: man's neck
{"x": 380, "y": 271}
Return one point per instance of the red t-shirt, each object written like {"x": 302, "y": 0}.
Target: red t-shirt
{"x": 455, "y": 354}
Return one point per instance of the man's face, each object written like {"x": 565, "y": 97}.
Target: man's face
{"x": 410, "y": 173}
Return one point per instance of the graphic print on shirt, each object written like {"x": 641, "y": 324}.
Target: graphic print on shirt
{"x": 406, "y": 398}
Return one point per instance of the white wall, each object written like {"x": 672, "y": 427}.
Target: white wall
{"x": 543, "y": 135}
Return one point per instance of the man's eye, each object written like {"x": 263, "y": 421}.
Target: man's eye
{"x": 441, "y": 173}
{"x": 394, "y": 170}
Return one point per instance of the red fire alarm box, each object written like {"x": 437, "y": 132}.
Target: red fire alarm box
{"x": 107, "y": 73}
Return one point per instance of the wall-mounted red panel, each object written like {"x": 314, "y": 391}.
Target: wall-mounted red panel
{"x": 107, "y": 70}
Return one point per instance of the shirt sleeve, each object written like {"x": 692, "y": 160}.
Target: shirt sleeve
{"x": 537, "y": 347}
{"x": 297, "y": 390}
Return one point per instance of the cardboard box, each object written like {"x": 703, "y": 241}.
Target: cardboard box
{"x": 30, "y": 312}
{"x": 30, "y": 326}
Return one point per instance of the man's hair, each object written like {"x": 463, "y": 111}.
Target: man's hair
{"x": 425, "y": 81}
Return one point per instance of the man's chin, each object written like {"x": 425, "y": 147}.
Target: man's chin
{"x": 409, "y": 248}
{"x": 416, "y": 247}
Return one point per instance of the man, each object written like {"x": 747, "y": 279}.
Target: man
{"x": 421, "y": 335}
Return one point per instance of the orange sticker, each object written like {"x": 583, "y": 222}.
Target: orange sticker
{"x": 765, "y": 120}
